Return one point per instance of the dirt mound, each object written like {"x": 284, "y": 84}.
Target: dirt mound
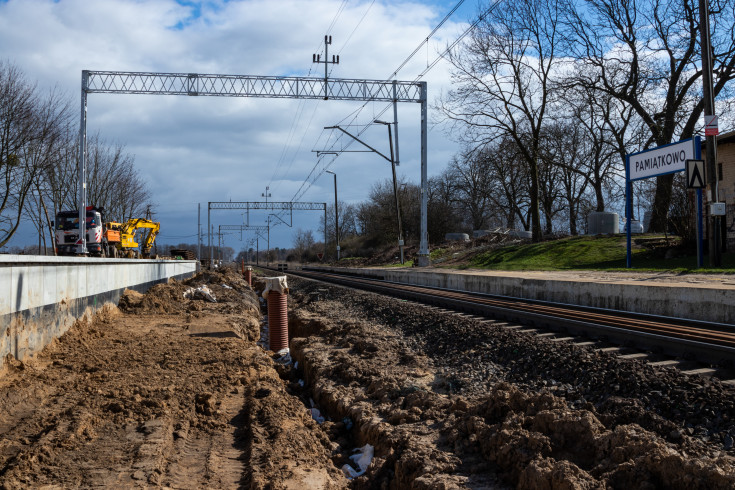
{"x": 541, "y": 443}
{"x": 230, "y": 290}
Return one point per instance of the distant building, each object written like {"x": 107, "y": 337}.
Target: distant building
{"x": 726, "y": 180}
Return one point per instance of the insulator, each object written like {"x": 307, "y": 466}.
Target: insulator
{"x": 330, "y": 39}
{"x": 313, "y": 58}
{"x": 338, "y": 59}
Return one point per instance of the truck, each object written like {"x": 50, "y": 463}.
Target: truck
{"x": 104, "y": 238}
{"x": 66, "y": 232}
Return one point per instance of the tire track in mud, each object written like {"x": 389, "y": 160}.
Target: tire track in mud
{"x": 215, "y": 459}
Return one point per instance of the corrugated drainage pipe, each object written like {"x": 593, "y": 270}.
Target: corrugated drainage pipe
{"x": 248, "y": 273}
{"x": 276, "y": 293}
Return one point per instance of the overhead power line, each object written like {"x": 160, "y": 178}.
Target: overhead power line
{"x": 302, "y": 105}
{"x": 425, "y": 41}
{"x": 309, "y": 181}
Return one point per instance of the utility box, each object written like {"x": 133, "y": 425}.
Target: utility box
{"x": 603, "y": 223}
{"x": 717, "y": 209}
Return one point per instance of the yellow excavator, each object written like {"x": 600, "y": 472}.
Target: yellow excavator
{"x": 122, "y": 236}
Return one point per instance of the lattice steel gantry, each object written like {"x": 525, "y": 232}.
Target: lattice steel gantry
{"x": 194, "y": 84}
{"x": 272, "y": 206}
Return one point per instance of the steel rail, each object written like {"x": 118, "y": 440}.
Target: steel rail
{"x": 705, "y": 340}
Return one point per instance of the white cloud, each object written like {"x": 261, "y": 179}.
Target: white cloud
{"x": 205, "y": 149}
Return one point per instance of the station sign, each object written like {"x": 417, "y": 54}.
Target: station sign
{"x": 662, "y": 160}
{"x": 666, "y": 159}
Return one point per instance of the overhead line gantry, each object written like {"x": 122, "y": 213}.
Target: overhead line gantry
{"x": 270, "y": 206}
{"x": 195, "y": 84}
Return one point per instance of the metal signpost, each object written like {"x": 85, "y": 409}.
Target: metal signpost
{"x": 195, "y": 84}
{"x": 665, "y": 159}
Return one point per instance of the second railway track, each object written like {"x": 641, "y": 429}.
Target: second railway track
{"x": 705, "y": 341}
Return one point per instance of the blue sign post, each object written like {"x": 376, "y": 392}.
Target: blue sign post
{"x": 662, "y": 160}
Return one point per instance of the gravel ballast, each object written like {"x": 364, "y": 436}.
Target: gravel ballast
{"x": 504, "y": 404}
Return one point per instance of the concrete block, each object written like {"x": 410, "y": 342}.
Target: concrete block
{"x": 34, "y": 291}
{"x": 66, "y": 283}
{"x": 6, "y": 291}
{"x": 19, "y": 286}
{"x": 40, "y": 297}
{"x": 50, "y": 292}
{"x": 683, "y": 301}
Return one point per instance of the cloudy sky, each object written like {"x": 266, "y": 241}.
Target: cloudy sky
{"x": 199, "y": 149}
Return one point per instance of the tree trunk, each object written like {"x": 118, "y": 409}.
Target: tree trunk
{"x": 661, "y": 202}
{"x": 547, "y": 214}
{"x": 599, "y": 196}
{"x": 535, "y": 213}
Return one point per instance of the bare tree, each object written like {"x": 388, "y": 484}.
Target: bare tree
{"x": 303, "y": 242}
{"x": 510, "y": 183}
{"x": 347, "y": 221}
{"x": 376, "y": 217}
{"x": 568, "y": 157}
{"x": 602, "y": 133}
{"x": 550, "y": 188}
{"x": 645, "y": 54}
{"x": 471, "y": 179}
{"x": 503, "y": 78}
{"x": 31, "y": 130}
{"x": 443, "y": 212}
{"x": 114, "y": 182}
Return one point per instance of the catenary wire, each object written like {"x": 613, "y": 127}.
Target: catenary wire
{"x": 308, "y": 181}
{"x": 301, "y": 106}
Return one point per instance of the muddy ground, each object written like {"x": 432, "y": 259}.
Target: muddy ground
{"x": 168, "y": 392}
{"x": 173, "y": 392}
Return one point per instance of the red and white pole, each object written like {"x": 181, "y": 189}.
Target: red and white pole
{"x": 248, "y": 273}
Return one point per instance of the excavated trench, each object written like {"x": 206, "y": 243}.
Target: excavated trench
{"x": 173, "y": 390}
{"x": 441, "y": 401}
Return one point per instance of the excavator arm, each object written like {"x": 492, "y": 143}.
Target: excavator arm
{"x": 150, "y": 236}
{"x": 128, "y": 230}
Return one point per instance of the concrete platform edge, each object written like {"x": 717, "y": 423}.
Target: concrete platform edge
{"x": 705, "y": 304}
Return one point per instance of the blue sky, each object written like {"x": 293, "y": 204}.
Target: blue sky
{"x": 194, "y": 150}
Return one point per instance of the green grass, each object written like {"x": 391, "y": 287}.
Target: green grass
{"x": 438, "y": 253}
{"x": 586, "y": 252}
{"x": 407, "y": 263}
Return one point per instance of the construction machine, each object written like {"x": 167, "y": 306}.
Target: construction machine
{"x": 123, "y": 236}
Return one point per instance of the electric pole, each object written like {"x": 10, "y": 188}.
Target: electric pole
{"x": 336, "y": 213}
{"x": 317, "y": 58}
{"x": 715, "y": 253}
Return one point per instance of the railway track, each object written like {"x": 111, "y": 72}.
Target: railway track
{"x": 689, "y": 339}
